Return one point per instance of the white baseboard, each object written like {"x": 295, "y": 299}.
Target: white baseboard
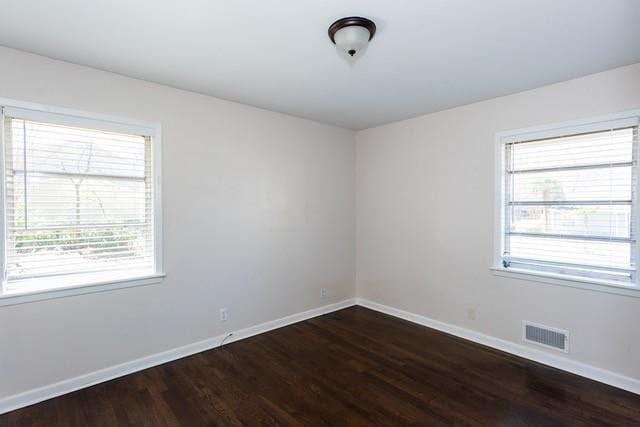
{"x": 556, "y": 361}
{"x": 67, "y": 386}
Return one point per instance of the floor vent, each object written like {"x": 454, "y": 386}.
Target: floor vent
{"x": 546, "y": 336}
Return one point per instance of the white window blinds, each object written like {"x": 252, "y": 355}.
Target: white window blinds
{"x": 78, "y": 201}
{"x": 570, "y": 205}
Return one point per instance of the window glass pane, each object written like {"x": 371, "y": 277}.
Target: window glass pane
{"x": 591, "y": 220}
{"x": 64, "y": 251}
{"x": 611, "y": 254}
{"x": 606, "y": 147}
{"x": 59, "y": 200}
{"x": 571, "y": 185}
{"x": 54, "y": 148}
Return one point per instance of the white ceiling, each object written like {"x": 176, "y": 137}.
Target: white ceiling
{"x": 428, "y": 55}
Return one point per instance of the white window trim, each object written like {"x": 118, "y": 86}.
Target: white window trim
{"x": 630, "y": 118}
{"x": 109, "y": 123}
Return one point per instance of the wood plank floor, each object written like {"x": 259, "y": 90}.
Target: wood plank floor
{"x": 351, "y": 367}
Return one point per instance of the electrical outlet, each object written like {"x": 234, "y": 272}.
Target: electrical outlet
{"x": 224, "y": 315}
{"x": 471, "y": 313}
{"x": 323, "y": 293}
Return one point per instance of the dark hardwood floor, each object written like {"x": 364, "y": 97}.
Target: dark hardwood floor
{"x": 351, "y": 367}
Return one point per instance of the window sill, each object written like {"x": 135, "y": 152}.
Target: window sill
{"x": 20, "y": 297}
{"x": 570, "y": 281}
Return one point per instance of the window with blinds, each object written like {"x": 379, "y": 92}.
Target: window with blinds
{"x": 570, "y": 204}
{"x": 79, "y": 203}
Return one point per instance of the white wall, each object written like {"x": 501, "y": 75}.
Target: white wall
{"x": 258, "y": 216}
{"x": 425, "y": 206}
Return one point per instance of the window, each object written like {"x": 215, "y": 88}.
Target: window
{"x": 569, "y": 202}
{"x": 80, "y": 201}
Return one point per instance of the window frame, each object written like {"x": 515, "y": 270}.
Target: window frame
{"x": 103, "y": 122}
{"x": 594, "y": 124}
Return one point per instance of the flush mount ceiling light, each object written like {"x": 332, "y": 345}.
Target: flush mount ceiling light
{"x": 352, "y": 34}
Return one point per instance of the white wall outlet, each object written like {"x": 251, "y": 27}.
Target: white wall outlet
{"x": 323, "y": 293}
{"x": 224, "y": 314}
{"x": 471, "y": 313}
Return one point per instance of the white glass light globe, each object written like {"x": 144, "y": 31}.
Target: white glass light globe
{"x": 352, "y": 38}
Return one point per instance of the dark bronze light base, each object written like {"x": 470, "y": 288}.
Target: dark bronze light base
{"x": 350, "y": 22}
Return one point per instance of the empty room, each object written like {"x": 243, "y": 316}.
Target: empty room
{"x": 367, "y": 213}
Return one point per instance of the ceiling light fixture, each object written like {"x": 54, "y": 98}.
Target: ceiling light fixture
{"x": 352, "y": 34}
